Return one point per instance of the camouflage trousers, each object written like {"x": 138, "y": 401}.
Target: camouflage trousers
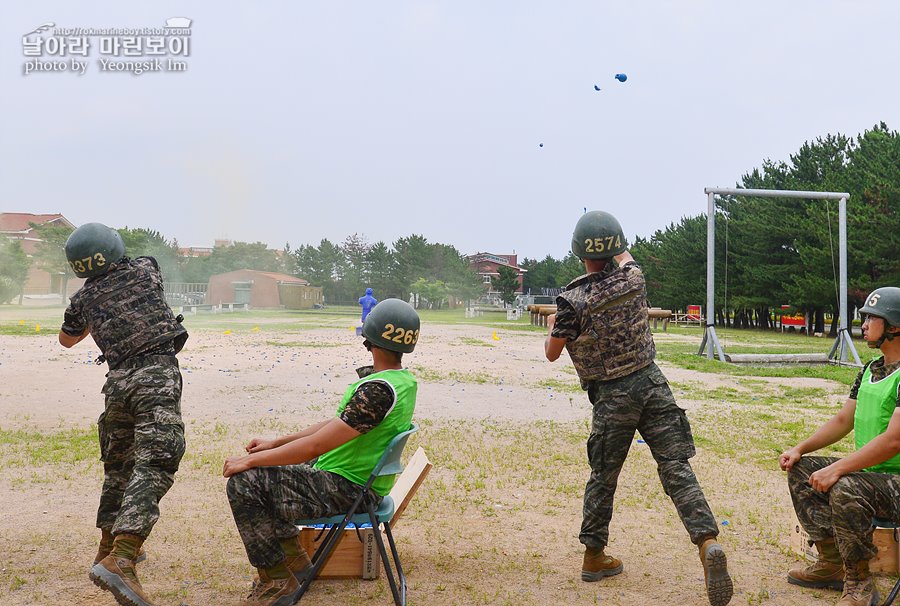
{"x": 265, "y": 502}
{"x": 845, "y": 512}
{"x": 641, "y": 401}
{"x": 141, "y": 442}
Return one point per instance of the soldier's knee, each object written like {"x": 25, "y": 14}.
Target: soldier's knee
{"x": 803, "y": 468}
{"x": 233, "y": 488}
{"x": 843, "y": 491}
{"x": 240, "y": 484}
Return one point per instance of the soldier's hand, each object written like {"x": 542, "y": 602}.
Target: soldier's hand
{"x": 788, "y": 458}
{"x": 235, "y": 465}
{"x": 825, "y": 478}
{"x": 257, "y": 444}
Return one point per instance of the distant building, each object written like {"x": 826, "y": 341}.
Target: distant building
{"x": 487, "y": 266}
{"x": 263, "y": 289}
{"x": 16, "y": 226}
{"x": 194, "y": 251}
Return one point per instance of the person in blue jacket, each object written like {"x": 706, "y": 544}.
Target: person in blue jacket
{"x": 367, "y": 302}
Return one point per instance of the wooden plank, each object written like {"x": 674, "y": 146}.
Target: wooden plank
{"x": 408, "y": 483}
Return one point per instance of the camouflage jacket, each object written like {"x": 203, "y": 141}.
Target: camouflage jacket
{"x": 126, "y": 312}
{"x": 610, "y": 335}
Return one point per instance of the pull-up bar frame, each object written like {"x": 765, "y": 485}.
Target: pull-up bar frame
{"x": 843, "y": 343}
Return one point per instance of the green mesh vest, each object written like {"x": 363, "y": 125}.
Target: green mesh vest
{"x": 356, "y": 459}
{"x": 875, "y": 403}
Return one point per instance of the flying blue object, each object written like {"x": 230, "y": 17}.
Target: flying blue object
{"x": 621, "y": 77}
{"x": 596, "y": 87}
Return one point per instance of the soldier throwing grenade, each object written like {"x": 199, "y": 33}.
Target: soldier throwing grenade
{"x": 602, "y": 320}
{"x": 122, "y": 306}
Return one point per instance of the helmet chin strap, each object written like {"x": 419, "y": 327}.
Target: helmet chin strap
{"x": 886, "y": 336}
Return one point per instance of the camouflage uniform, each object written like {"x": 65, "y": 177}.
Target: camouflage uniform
{"x": 141, "y": 432}
{"x": 604, "y": 318}
{"x": 845, "y": 512}
{"x": 265, "y": 501}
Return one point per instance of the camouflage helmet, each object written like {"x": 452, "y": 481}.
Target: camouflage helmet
{"x": 92, "y": 248}
{"x": 392, "y": 324}
{"x": 884, "y": 303}
{"x": 598, "y": 235}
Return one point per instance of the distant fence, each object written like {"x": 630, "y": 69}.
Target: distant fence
{"x": 185, "y": 293}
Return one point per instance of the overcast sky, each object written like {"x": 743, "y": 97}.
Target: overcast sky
{"x": 296, "y": 121}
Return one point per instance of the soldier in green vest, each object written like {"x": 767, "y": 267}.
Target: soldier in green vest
{"x": 602, "y": 321}
{"x": 836, "y": 499}
{"x": 275, "y": 484}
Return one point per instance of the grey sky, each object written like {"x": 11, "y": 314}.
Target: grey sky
{"x": 298, "y": 121}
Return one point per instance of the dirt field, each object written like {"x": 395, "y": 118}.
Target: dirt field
{"x": 496, "y": 522}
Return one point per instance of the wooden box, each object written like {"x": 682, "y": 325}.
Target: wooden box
{"x": 356, "y": 559}
{"x": 351, "y": 559}
{"x": 885, "y": 539}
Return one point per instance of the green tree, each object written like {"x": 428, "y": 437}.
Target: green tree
{"x": 507, "y": 283}
{"x": 50, "y": 252}
{"x": 380, "y": 272}
{"x": 321, "y": 266}
{"x": 411, "y": 255}
{"x": 429, "y": 293}
{"x": 13, "y": 269}
{"x": 355, "y": 250}
{"x": 466, "y": 286}
{"x": 140, "y": 242}
{"x": 240, "y": 255}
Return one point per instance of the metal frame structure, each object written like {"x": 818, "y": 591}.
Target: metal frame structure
{"x": 843, "y": 343}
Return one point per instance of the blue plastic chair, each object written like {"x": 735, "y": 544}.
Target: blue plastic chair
{"x": 388, "y": 465}
{"x": 883, "y": 523}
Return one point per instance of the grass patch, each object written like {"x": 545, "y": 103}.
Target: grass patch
{"x": 29, "y": 329}
{"x": 685, "y": 356}
{"x": 433, "y": 376}
{"x": 309, "y": 344}
{"x": 557, "y": 385}
{"x": 477, "y": 342}
{"x": 24, "y": 448}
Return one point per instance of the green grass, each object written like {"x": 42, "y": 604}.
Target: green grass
{"x": 685, "y": 356}
{"x": 429, "y": 375}
{"x": 29, "y": 329}
{"x": 770, "y": 417}
{"x": 303, "y": 344}
{"x": 557, "y": 385}
{"x": 27, "y": 448}
{"x": 476, "y": 342}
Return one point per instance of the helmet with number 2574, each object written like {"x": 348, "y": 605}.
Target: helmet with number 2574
{"x": 598, "y": 235}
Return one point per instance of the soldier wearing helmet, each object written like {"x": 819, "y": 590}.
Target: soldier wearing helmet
{"x": 602, "y": 321}
{"x": 836, "y": 499}
{"x": 123, "y": 308}
{"x": 275, "y": 477}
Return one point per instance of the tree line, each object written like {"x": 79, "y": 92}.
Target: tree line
{"x": 778, "y": 251}
{"x": 769, "y": 252}
{"x": 435, "y": 273}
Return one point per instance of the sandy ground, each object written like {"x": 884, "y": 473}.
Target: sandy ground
{"x": 240, "y": 382}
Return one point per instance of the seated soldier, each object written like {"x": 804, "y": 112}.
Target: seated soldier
{"x": 836, "y": 499}
{"x": 273, "y": 485}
